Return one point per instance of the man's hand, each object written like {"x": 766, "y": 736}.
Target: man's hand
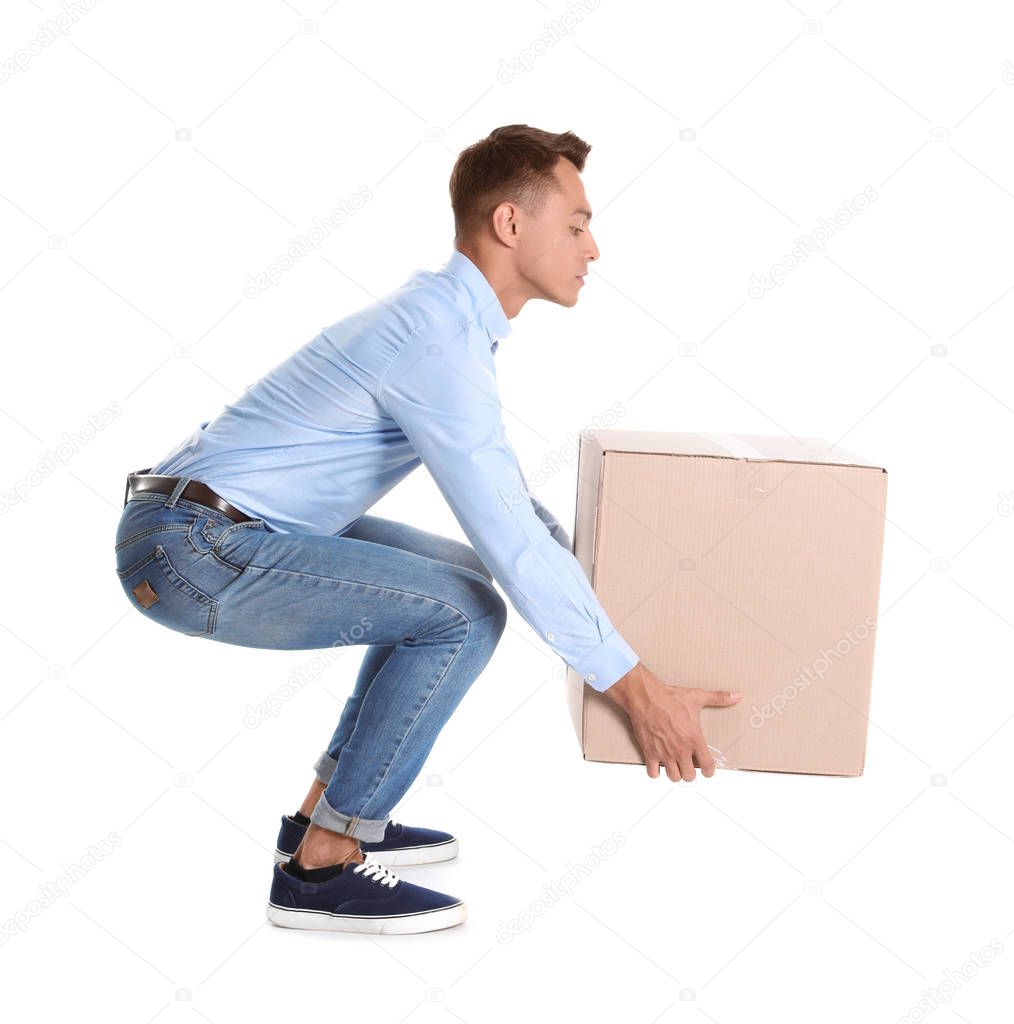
{"x": 666, "y": 721}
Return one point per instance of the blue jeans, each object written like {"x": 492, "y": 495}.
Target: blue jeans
{"x": 425, "y": 607}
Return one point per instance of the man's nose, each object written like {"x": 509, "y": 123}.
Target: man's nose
{"x": 593, "y": 249}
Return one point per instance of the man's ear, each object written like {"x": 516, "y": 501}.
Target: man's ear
{"x": 505, "y": 223}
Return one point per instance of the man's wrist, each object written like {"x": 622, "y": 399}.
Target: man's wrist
{"x": 633, "y": 690}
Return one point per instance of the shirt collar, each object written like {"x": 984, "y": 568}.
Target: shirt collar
{"x": 489, "y": 312}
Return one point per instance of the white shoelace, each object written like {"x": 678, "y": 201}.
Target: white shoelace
{"x": 376, "y": 872}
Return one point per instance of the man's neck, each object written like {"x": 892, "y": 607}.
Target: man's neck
{"x": 503, "y": 277}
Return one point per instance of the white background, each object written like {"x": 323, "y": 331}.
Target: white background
{"x": 122, "y": 270}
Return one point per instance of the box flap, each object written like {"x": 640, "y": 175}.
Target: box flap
{"x": 764, "y": 447}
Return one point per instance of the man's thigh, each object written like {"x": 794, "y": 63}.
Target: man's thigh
{"x": 306, "y": 591}
{"x": 410, "y": 538}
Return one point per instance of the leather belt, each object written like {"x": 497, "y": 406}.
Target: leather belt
{"x": 141, "y": 483}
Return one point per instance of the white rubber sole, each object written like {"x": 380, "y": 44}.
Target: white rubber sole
{"x": 401, "y": 858}
{"x": 406, "y": 924}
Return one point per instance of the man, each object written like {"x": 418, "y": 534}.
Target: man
{"x": 254, "y": 531}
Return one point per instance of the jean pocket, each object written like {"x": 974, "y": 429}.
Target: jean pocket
{"x": 161, "y": 594}
{"x": 230, "y": 544}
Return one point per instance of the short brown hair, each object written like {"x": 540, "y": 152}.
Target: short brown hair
{"x": 515, "y": 164}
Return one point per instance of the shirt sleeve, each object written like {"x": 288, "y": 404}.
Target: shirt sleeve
{"x": 442, "y": 392}
{"x": 556, "y": 530}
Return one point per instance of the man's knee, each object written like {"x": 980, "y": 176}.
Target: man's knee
{"x": 472, "y": 609}
{"x": 469, "y": 558}
{"x": 496, "y": 610}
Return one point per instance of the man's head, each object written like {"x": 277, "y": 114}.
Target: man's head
{"x": 521, "y": 213}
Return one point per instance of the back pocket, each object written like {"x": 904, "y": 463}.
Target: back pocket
{"x": 161, "y": 594}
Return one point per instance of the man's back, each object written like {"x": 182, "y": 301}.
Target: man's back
{"x": 310, "y": 446}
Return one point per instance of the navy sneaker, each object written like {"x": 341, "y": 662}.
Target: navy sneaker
{"x": 401, "y": 845}
{"x": 364, "y": 897}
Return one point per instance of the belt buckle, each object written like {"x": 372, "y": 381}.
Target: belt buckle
{"x": 126, "y": 489}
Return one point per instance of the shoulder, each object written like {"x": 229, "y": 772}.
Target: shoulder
{"x": 434, "y": 300}
{"x": 428, "y": 303}
{"x": 431, "y": 307}
{"x": 428, "y": 299}
{"x": 434, "y": 313}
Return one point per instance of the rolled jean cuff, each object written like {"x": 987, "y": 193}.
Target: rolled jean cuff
{"x": 325, "y": 767}
{"x": 371, "y": 830}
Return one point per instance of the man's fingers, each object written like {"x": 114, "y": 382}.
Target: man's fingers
{"x": 717, "y": 698}
{"x": 683, "y": 767}
{"x": 686, "y": 765}
{"x": 705, "y": 762}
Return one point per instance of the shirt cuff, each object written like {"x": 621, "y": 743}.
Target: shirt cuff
{"x": 607, "y": 663}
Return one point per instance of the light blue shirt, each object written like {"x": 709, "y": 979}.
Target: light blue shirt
{"x": 408, "y": 380}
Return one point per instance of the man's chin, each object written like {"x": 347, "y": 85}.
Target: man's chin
{"x": 562, "y": 298}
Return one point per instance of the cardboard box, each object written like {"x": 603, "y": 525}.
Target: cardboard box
{"x": 737, "y": 562}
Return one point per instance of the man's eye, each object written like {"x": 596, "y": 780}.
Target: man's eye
{"x": 577, "y": 230}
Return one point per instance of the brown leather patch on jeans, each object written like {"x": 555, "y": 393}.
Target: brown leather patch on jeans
{"x": 145, "y": 595}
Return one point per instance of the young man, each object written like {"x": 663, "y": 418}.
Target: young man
{"x": 253, "y": 531}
